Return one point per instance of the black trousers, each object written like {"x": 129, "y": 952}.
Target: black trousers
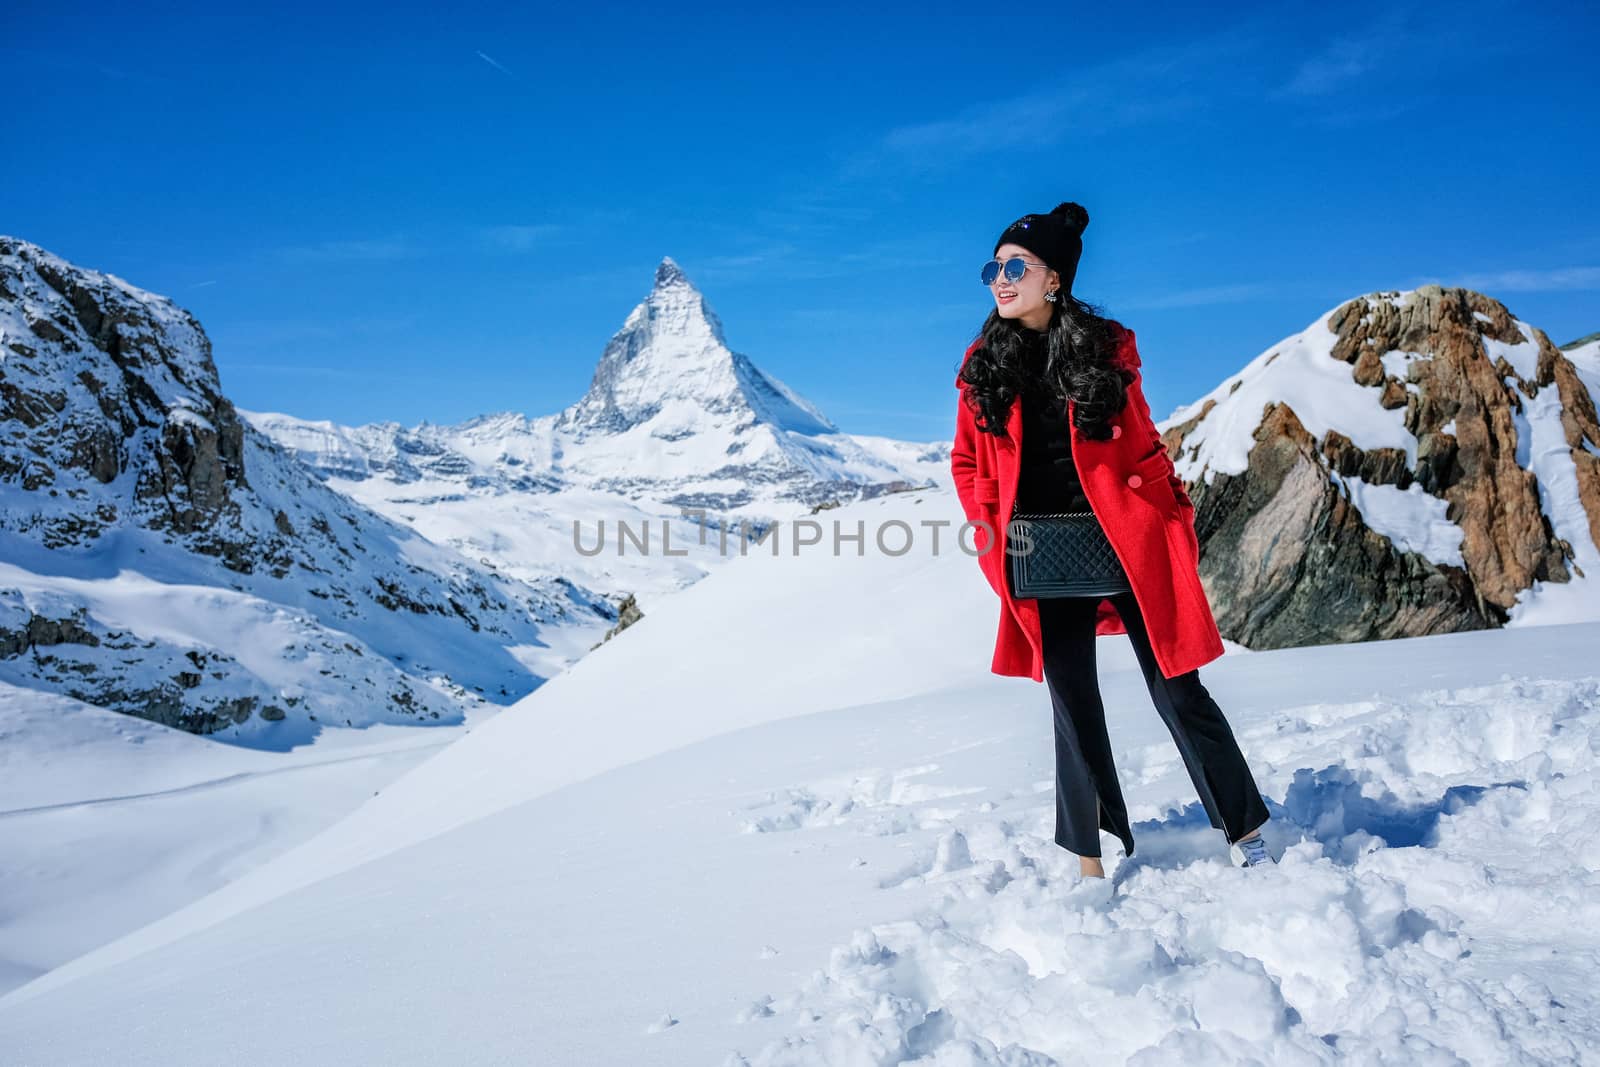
{"x": 1088, "y": 795}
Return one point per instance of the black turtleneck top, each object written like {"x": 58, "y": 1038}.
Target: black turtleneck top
{"x": 1048, "y": 481}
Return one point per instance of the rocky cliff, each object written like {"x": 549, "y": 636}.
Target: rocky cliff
{"x": 160, "y": 556}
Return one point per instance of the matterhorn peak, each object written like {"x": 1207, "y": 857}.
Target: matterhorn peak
{"x": 669, "y": 273}
{"x": 670, "y": 366}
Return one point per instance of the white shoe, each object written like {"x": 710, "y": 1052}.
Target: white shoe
{"x": 1251, "y": 852}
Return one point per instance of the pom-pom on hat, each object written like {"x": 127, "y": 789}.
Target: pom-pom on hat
{"x": 1056, "y": 238}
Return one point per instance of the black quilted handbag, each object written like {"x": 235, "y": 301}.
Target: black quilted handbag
{"x": 1062, "y": 554}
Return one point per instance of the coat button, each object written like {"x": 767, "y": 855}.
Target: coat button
{"x": 1135, "y": 481}
{"x": 1116, "y": 432}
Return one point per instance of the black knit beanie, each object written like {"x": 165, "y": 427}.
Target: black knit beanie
{"x": 1056, "y": 238}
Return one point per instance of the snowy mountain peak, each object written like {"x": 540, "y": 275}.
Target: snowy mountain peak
{"x": 673, "y": 417}
{"x": 669, "y": 273}
{"x": 670, "y": 367}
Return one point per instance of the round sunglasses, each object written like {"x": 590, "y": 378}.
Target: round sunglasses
{"x": 1015, "y": 268}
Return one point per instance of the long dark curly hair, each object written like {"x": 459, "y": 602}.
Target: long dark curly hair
{"x": 1080, "y": 348}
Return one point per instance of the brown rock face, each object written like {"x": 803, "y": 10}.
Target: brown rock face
{"x": 1300, "y": 565}
{"x": 1289, "y": 557}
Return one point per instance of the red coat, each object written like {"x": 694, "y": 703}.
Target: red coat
{"x": 1143, "y": 507}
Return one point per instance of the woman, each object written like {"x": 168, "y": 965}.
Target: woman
{"x": 1052, "y": 418}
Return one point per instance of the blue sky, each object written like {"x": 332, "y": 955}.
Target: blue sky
{"x": 388, "y": 214}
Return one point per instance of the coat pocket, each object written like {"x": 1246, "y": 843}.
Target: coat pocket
{"x": 1150, "y": 479}
{"x": 986, "y": 490}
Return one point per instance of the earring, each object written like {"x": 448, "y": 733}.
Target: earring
{"x": 1051, "y": 296}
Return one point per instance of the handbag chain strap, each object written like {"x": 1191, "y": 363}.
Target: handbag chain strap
{"x": 1047, "y": 515}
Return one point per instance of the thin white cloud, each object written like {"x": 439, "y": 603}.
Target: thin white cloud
{"x": 782, "y": 260}
{"x": 341, "y": 251}
{"x": 1409, "y": 44}
{"x": 304, "y": 370}
{"x": 1368, "y": 115}
{"x": 250, "y": 334}
{"x": 202, "y": 285}
{"x": 519, "y": 238}
{"x": 1344, "y": 60}
{"x": 1558, "y": 279}
{"x": 496, "y": 66}
{"x": 1147, "y": 86}
{"x": 1202, "y": 297}
{"x": 899, "y": 413}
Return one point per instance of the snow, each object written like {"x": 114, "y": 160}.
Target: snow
{"x": 1542, "y": 449}
{"x": 1523, "y": 356}
{"x": 183, "y": 410}
{"x": 39, "y": 301}
{"x": 1301, "y": 372}
{"x": 1411, "y": 518}
{"x": 109, "y": 821}
{"x": 789, "y": 818}
{"x": 1586, "y": 361}
{"x": 274, "y": 655}
{"x": 1397, "y": 364}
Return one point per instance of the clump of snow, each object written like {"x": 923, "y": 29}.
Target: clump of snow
{"x": 1397, "y": 364}
{"x": 1523, "y": 356}
{"x": 187, "y": 416}
{"x": 1412, "y": 518}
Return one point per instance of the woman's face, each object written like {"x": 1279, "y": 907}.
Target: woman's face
{"x": 1023, "y": 299}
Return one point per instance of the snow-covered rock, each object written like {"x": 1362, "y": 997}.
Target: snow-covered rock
{"x": 1411, "y": 463}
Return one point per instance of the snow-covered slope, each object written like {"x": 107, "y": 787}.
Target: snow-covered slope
{"x": 673, "y": 419}
{"x": 108, "y": 822}
{"x": 759, "y": 831}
